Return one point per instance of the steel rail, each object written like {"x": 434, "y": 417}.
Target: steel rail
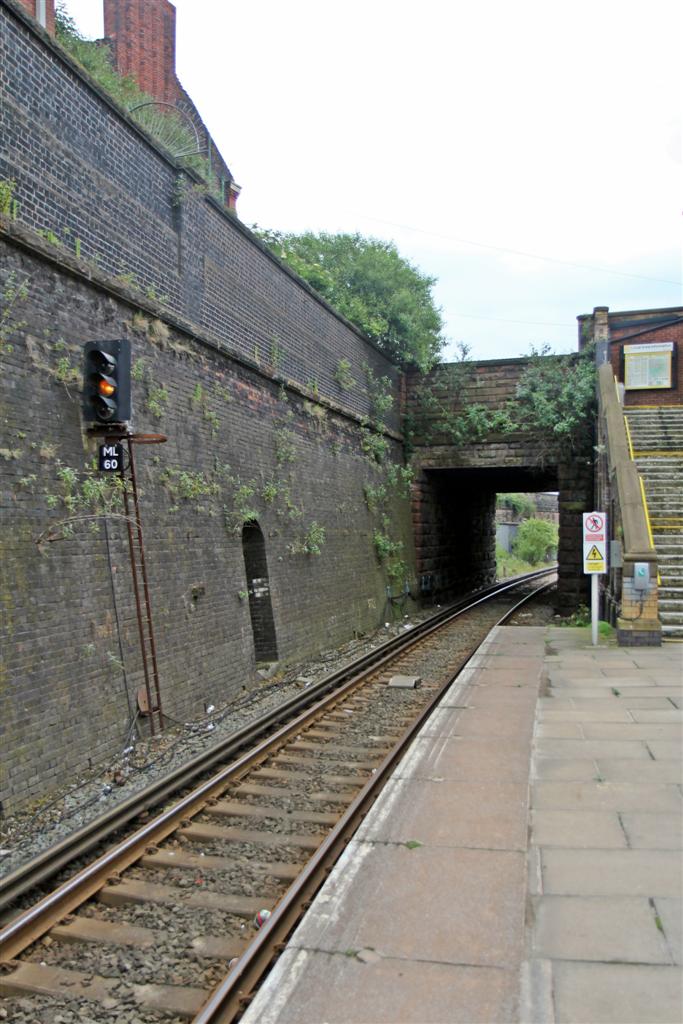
{"x": 47, "y": 863}
{"x": 232, "y": 995}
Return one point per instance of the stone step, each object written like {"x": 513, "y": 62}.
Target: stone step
{"x": 670, "y": 618}
{"x": 655, "y": 434}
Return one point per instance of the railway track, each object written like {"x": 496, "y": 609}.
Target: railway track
{"x": 172, "y": 922}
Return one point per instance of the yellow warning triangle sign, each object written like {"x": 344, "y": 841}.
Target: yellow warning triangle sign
{"x": 594, "y": 555}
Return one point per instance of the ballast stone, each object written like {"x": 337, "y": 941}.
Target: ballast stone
{"x": 405, "y": 682}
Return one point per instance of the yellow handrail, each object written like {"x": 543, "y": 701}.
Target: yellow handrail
{"x": 649, "y": 525}
{"x": 630, "y": 443}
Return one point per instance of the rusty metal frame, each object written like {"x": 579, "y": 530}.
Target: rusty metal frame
{"x": 138, "y": 565}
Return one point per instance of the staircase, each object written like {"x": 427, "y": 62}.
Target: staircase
{"x": 657, "y": 438}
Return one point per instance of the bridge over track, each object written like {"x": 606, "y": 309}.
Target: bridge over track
{"x": 456, "y": 483}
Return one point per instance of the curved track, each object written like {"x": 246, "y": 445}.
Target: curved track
{"x": 249, "y": 829}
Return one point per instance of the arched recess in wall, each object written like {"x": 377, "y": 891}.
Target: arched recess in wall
{"x": 258, "y": 587}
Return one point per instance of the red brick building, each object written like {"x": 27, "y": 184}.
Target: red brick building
{"x": 43, "y": 11}
{"x": 644, "y": 347}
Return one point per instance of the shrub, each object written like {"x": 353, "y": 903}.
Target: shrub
{"x": 535, "y": 540}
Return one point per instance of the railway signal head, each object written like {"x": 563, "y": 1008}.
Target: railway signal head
{"x": 106, "y": 382}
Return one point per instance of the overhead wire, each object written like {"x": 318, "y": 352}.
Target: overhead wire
{"x": 518, "y": 252}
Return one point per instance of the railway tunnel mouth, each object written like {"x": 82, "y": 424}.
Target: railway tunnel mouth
{"x": 454, "y": 519}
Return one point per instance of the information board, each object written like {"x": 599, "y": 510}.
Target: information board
{"x": 648, "y": 366}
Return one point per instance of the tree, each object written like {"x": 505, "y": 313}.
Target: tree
{"x": 369, "y": 283}
{"x": 535, "y": 540}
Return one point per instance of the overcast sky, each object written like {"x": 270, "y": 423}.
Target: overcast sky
{"x": 479, "y": 136}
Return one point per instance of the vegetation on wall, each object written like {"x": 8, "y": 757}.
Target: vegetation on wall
{"x": 370, "y": 284}
{"x": 14, "y": 293}
{"x": 556, "y": 398}
{"x": 521, "y": 505}
{"x": 436, "y": 417}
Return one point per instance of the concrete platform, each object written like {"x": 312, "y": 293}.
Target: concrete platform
{"x": 523, "y": 863}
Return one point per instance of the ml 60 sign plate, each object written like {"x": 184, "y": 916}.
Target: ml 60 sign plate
{"x": 594, "y": 542}
{"x": 111, "y": 458}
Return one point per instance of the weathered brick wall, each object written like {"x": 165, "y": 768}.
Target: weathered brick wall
{"x": 87, "y": 174}
{"x": 234, "y": 359}
{"x": 237, "y": 441}
{"x": 655, "y": 396}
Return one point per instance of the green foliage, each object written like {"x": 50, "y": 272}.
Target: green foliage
{"x": 243, "y": 510}
{"x": 14, "y": 293}
{"x": 434, "y": 418}
{"x": 400, "y": 478}
{"x": 556, "y": 397}
{"x": 373, "y": 445}
{"x": 138, "y": 370}
{"x": 187, "y": 485}
{"x": 389, "y": 552}
{"x": 342, "y": 375}
{"x": 581, "y": 617}
{"x": 520, "y": 504}
{"x": 375, "y": 496}
{"x": 86, "y": 497}
{"x": 370, "y": 284}
{"x": 285, "y": 446}
{"x": 509, "y": 565}
{"x": 269, "y": 492}
{"x": 7, "y": 201}
{"x": 311, "y": 542}
{"x": 65, "y": 373}
{"x": 157, "y": 399}
{"x": 535, "y": 540}
{"x": 379, "y": 392}
{"x": 277, "y": 354}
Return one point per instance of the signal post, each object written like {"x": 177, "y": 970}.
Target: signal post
{"x": 107, "y": 405}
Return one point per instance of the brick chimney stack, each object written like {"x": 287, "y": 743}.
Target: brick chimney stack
{"x": 43, "y": 11}
{"x": 142, "y": 35}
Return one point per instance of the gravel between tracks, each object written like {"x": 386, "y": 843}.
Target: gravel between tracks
{"x": 172, "y": 964}
{"x": 23, "y": 836}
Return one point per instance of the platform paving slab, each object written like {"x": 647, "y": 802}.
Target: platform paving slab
{"x": 619, "y": 928}
{"x": 616, "y": 994}
{"x": 652, "y": 831}
{"x": 577, "y": 829}
{"x": 383, "y": 991}
{"x": 445, "y": 813}
{"x": 616, "y": 796}
{"x": 611, "y": 872}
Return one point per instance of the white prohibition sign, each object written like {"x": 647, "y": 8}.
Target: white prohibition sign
{"x": 594, "y": 523}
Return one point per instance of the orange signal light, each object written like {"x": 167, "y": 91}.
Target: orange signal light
{"x": 106, "y": 388}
